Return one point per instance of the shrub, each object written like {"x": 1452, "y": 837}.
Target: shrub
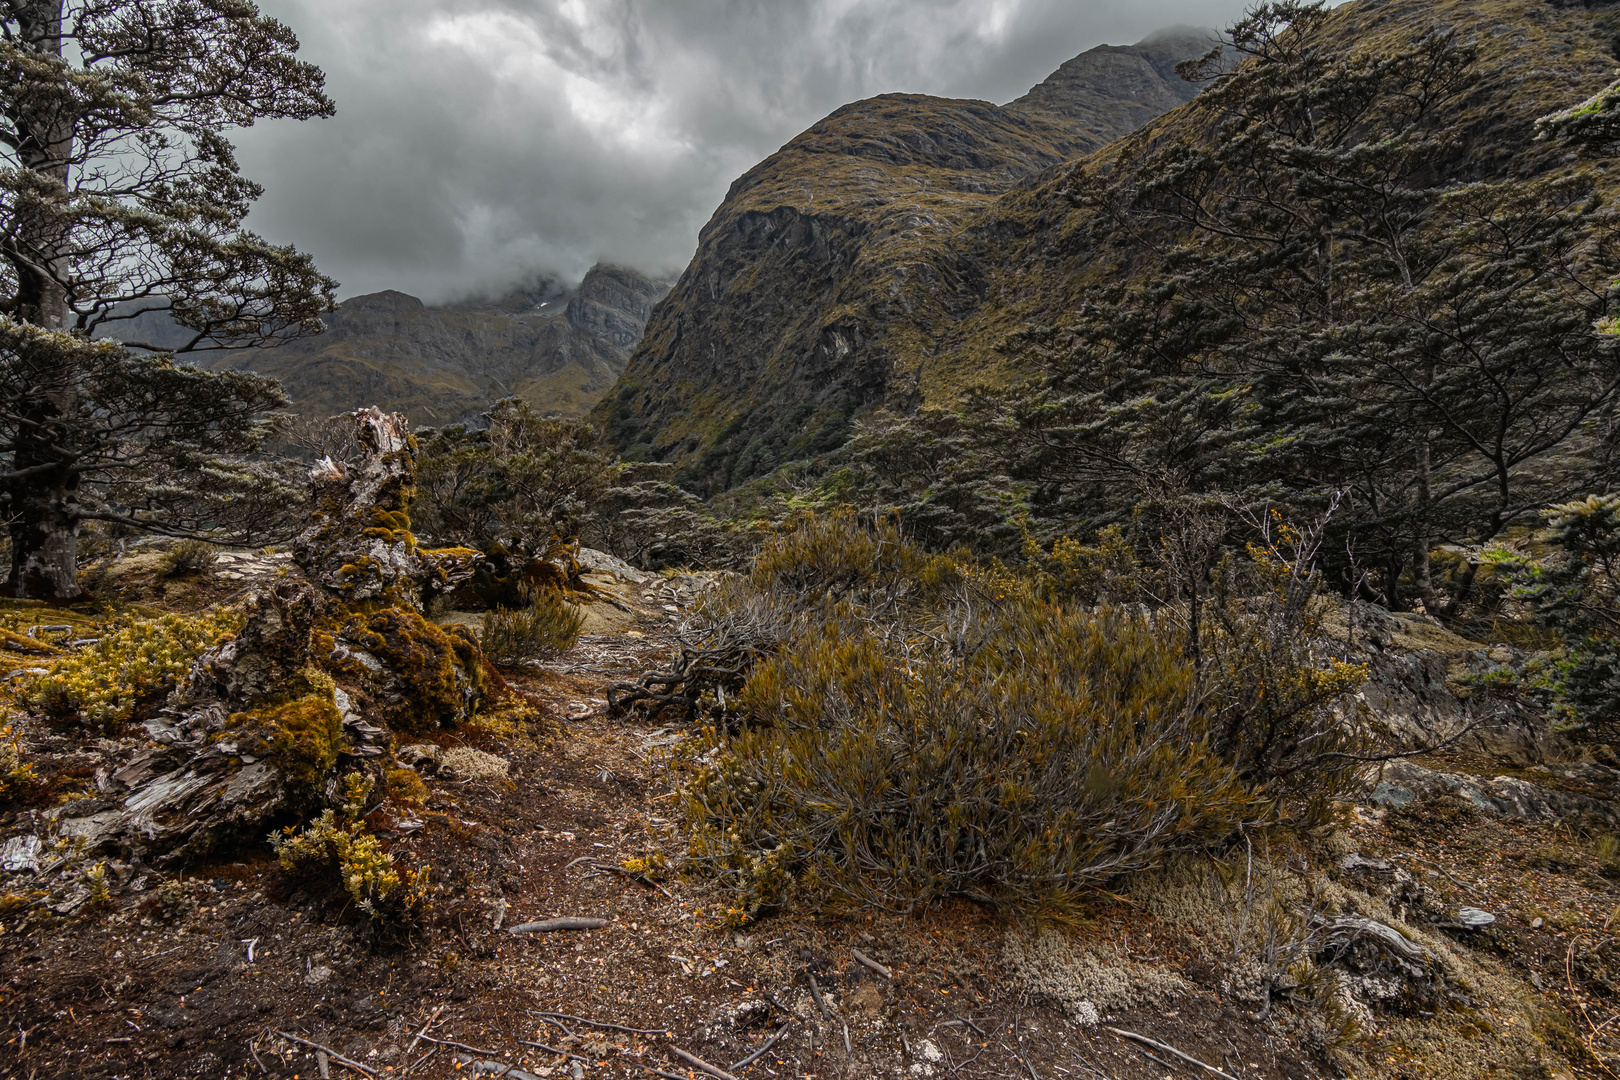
{"x": 899, "y": 727}
{"x": 543, "y": 631}
{"x": 1060, "y": 753}
{"x": 1575, "y": 596}
{"x": 14, "y": 771}
{"x": 189, "y": 557}
{"x": 368, "y": 873}
{"x": 103, "y": 683}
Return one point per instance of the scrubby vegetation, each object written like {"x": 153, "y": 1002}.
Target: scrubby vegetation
{"x": 544, "y": 630}
{"x": 895, "y": 727}
{"x": 368, "y": 874}
{"x": 131, "y": 665}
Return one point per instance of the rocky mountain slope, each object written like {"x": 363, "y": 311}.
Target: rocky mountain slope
{"x": 558, "y": 348}
{"x": 891, "y": 254}
{"x": 828, "y": 266}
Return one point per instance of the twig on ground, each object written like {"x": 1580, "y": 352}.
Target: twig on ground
{"x": 322, "y": 1064}
{"x": 497, "y": 1069}
{"x": 698, "y": 1063}
{"x": 757, "y": 1054}
{"x": 546, "y": 926}
{"x": 1168, "y": 1049}
{"x": 602, "y": 1024}
{"x": 333, "y": 1054}
{"x": 866, "y": 961}
{"x": 254, "y": 1050}
{"x": 411, "y": 1048}
{"x": 666, "y": 1075}
{"x": 815, "y": 992}
{"x": 553, "y": 1050}
{"x": 459, "y": 1045}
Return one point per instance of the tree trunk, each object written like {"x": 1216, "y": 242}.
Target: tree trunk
{"x": 44, "y": 541}
{"x": 45, "y": 529}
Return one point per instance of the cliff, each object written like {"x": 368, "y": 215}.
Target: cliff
{"x": 830, "y": 266}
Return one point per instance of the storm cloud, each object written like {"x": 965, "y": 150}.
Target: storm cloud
{"x": 480, "y": 141}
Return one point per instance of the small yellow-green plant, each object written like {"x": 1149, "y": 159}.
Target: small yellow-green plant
{"x": 357, "y": 788}
{"x": 103, "y": 683}
{"x": 379, "y": 888}
{"x": 14, "y": 771}
{"x": 543, "y": 631}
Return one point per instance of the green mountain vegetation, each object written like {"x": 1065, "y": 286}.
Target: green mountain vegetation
{"x": 830, "y": 281}
{"x": 876, "y": 263}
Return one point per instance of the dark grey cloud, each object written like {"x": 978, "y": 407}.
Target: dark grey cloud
{"x": 480, "y": 140}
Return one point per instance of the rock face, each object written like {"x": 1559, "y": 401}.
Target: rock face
{"x": 830, "y": 264}
{"x": 894, "y": 252}
{"x": 557, "y": 348}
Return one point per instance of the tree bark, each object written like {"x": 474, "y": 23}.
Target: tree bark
{"x": 45, "y": 528}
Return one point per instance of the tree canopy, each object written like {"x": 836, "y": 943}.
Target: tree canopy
{"x": 120, "y": 197}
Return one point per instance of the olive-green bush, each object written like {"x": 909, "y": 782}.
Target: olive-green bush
{"x": 544, "y": 630}
{"x": 908, "y": 726}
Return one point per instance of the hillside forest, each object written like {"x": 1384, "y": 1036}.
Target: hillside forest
{"x": 1120, "y": 584}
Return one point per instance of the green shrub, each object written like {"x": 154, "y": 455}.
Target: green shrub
{"x": 1060, "y": 753}
{"x": 189, "y": 557}
{"x": 543, "y": 631}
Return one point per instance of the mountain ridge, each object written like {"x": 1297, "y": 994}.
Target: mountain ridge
{"x": 830, "y": 259}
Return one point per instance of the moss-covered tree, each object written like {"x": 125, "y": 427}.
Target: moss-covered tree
{"x": 121, "y": 198}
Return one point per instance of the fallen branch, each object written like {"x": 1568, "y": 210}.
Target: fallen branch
{"x": 412, "y": 1047}
{"x": 866, "y": 961}
{"x": 548, "y": 925}
{"x": 600, "y": 1024}
{"x": 329, "y": 1052}
{"x": 757, "y": 1054}
{"x": 553, "y": 1050}
{"x": 1168, "y": 1049}
{"x": 698, "y": 1063}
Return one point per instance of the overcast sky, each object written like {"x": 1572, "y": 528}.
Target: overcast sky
{"x": 477, "y": 141}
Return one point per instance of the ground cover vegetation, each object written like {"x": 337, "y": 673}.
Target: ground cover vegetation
{"x": 895, "y": 727}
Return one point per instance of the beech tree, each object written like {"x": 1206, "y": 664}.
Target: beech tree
{"x": 1323, "y": 304}
{"x": 120, "y": 197}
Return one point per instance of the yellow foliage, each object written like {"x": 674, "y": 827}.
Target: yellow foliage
{"x": 368, "y": 873}
{"x": 14, "y": 771}
{"x": 306, "y": 733}
{"x": 405, "y": 788}
{"x": 103, "y": 683}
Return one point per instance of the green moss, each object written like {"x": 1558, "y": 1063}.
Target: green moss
{"x": 303, "y": 733}
{"x": 439, "y": 668}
